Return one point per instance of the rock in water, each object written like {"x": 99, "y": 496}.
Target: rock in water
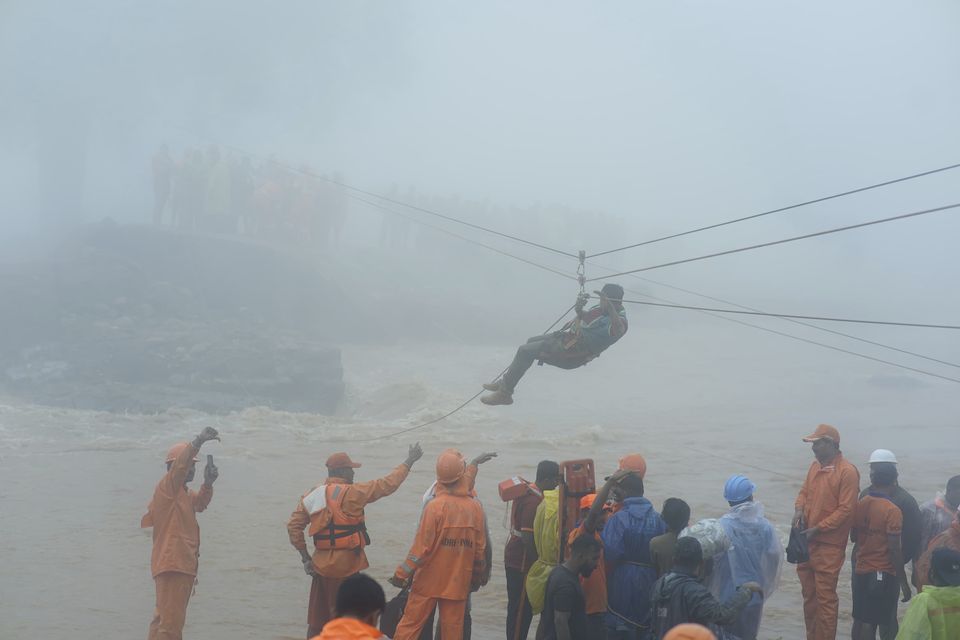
{"x": 140, "y": 319}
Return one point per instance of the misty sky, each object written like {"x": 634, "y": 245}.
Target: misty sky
{"x": 667, "y": 114}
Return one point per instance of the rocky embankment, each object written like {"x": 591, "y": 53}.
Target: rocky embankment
{"x": 137, "y": 319}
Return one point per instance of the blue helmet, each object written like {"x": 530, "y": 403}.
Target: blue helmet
{"x": 738, "y": 488}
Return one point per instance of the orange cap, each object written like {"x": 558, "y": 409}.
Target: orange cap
{"x": 587, "y": 501}
{"x": 450, "y": 467}
{"x": 689, "y": 631}
{"x": 824, "y": 431}
{"x": 176, "y": 450}
{"x": 341, "y": 460}
{"x": 634, "y": 462}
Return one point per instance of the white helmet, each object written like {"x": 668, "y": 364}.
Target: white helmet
{"x": 883, "y": 455}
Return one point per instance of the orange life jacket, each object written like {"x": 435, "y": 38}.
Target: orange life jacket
{"x": 330, "y": 527}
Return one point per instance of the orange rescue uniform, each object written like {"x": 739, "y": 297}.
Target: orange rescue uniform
{"x": 336, "y": 564}
{"x": 172, "y": 514}
{"x": 349, "y": 629}
{"x": 828, "y": 500}
{"x": 447, "y": 559}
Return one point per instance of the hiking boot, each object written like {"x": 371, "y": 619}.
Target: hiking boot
{"x": 492, "y": 386}
{"x": 500, "y": 396}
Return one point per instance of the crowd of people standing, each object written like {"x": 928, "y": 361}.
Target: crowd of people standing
{"x": 623, "y": 570}
{"x": 216, "y": 192}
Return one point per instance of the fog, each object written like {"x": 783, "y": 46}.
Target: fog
{"x": 573, "y": 126}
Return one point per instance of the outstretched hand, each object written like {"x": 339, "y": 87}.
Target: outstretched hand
{"x": 484, "y": 457}
{"x": 413, "y": 454}
{"x": 208, "y": 434}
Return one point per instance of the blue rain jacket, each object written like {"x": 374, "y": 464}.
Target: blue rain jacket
{"x": 626, "y": 550}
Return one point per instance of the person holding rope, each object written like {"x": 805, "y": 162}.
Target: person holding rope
{"x": 581, "y": 340}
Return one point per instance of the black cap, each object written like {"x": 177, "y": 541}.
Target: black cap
{"x": 612, "y": 291}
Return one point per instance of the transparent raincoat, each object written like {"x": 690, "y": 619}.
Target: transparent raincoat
{"x": 755, "y": 555}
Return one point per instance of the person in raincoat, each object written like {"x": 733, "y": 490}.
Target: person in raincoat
{"x": 934, "y": 614}
{"x": 949, "y": 539}
{"x": 756, "y": 555}
{"x": 172, "y": 514}
{"x": 447, "y": 560}
{"x": 546, "y": 538}
{"x": 626, "y": 553}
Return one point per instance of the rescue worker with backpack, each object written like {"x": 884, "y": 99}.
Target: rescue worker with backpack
{"x": 333, "y": 514}
{"x": 448, "y": 558}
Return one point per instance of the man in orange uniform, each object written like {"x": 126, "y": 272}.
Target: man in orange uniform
{"x": 334, "y": 513}
{"x": 824, "y": 511}
{"x": 360, "y": 601}
{"x": 448, "y": 555}
{"x": 176, "y": 535}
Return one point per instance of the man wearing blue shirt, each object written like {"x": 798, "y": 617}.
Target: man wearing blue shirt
{"x": 577, "y": 343}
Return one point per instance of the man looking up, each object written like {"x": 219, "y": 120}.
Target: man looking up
{"x": 756, "y": 555}
{"x": 176, "y": 535}
{"x": 626, "y": 549}
{"x": 334, "y": 513}
{"x": 824, "y": 513}
{"x": 520, "y": 551}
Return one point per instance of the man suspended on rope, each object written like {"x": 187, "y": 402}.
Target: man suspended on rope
{"x": 577, "y": 343}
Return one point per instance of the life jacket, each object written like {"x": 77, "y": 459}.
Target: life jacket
{"x": 330, "y": 527}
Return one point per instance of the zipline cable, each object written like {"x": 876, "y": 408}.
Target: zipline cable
{"x": 780, "y": 210}
{"x": 464, "y": 238}
{"x": 373, "y": 194}
{"x": 449, "y": 413}
{"x": 794, "y": 321}
{"x": 806, "y": 236}
{"x": 809, "y": 341}
{"x": 788, "y": 315}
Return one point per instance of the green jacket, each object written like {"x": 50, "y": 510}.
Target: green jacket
{"x": 934, "y": 614}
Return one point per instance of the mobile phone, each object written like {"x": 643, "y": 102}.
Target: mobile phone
{"x": 209, "y": 460}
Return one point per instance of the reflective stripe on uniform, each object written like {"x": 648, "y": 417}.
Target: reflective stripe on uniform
{"x": 316, "y": 500}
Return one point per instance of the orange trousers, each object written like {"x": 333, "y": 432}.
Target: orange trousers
{"x": 173, "y": 594}
{"x": 420, "y": 607}
{"x": 818, "y": 581}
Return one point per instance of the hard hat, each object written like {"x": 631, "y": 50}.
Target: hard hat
{"x": 689, "y": 631}
{"x": 883, "y": 455}
{"x": 738, "y": 488}
{"x": 450, "y": 467}
{"x": 176, "y": 450}
{"x": 634, "y": 462}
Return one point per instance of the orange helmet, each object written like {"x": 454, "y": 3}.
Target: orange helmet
{"x": 634, "y": 462}
{"x": 450, "y": 467}
{"x": 176, "y": 450}
{"x": 689, "y": 631}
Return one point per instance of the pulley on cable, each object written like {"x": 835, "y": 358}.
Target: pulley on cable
{"x": 578, "y": 342}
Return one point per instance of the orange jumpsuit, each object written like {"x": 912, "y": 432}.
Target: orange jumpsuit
{"x": 828, "y": 500}
{"x": 349, "y": 629}
{"x": 334, "y": 565}
{"x": 176, "y": 545}
{"x": 449, "y": 559}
